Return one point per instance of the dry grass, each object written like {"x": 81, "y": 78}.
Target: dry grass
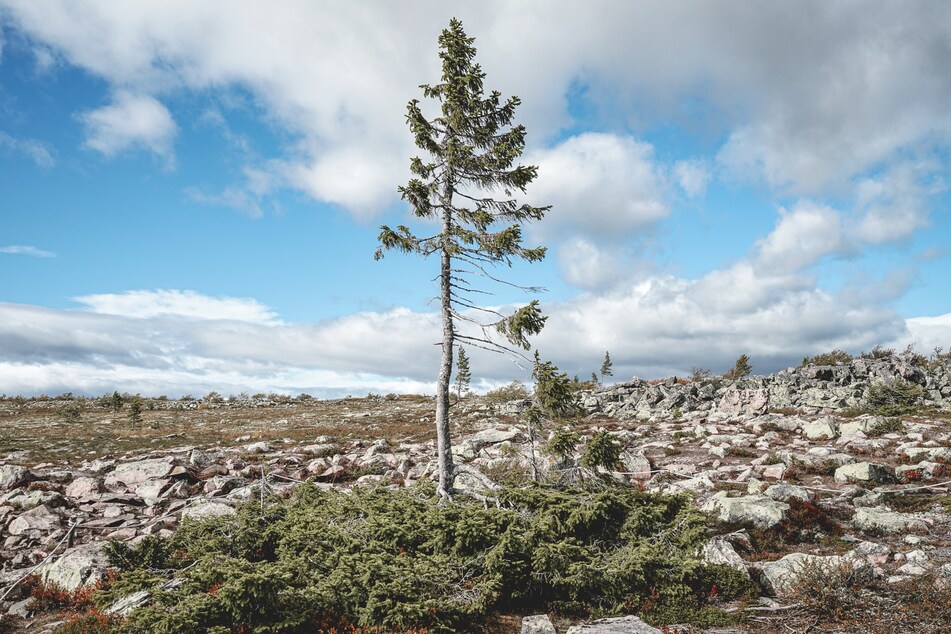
{"x": 36, "y": 431}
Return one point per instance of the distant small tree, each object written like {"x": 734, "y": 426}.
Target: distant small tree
{"x": 463, "y": 373}
{"x": 135, "y": 412}
{"x": 740, "y": 369}
{"x": 699, "y": 375}
{"x": 553, "y": 398}
{"x": 116, "y": 402}
{"x": 606, "y": 366}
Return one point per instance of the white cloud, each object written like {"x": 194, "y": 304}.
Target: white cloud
{"x": 809, "y": 98}
{"x": 178, "y": 342}
{"x": 146, "y": 304}
{"x": 600, "y": 185}
{"x": 587, "y": 266}
{"x": 131, "y": 122}
{"x": 804, "y": 235}
{"x": 927, "y": 333}
{"x": 692, "y": 177}
{"x": 892, "y": 206}
{"x": 37, "y": 151}
{"x": 17, "y": 249}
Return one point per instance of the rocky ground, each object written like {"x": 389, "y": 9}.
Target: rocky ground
{"x": 801, "y": 486}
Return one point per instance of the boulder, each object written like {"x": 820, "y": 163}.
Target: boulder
{"x": 207, "y": 508}
{"x": 134, "y": 473}
{"x": 779, "y": 577}
{"x": 623, "y": 625}
{"x": 40, "y": 519}
{"x": 759, "y": 510}
{"x": 785, "y": 492}
{"x": 719, "y": 551}
{"x": 537, "y": 624}
{"x": 882, "y": 519}
{"x": 821, "y": 429}
{"x": 636, "y": 464}
{"x": 83, "y": 487}
{"x": 13, "y": 476}
{"x": 78, "y": 566}
{"x": 741, "y": 402}
{"x": 864, "y": 472}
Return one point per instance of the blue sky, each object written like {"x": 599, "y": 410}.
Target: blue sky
{"x": 192, "y": 194}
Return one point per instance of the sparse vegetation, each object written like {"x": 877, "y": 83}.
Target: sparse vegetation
{"x": 834, "y": 357}
{"x": 894, "y": 398}
{"x": 741, "y": 368}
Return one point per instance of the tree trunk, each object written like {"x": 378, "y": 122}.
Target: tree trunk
{"x": 443, "y": 441}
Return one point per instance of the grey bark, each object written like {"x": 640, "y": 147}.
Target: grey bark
{"x": 443, "y": 441}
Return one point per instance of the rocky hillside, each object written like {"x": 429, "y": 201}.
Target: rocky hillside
{"x": 801, "y": 479}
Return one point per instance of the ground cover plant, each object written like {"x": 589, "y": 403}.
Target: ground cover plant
{"x": 400, "y": 561}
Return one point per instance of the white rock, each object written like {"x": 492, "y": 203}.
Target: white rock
{"x": 883, "y": 519}
{"x": 759, "y": 510}
{"x": 778, "y": 577}
{"x": 623, "y": 625}
{"x": 864, "y": 472}
{"x": 537, "y": 624}
{"x": 83, "y": 487}
{"x": 206, "y": 509}
{"x": 78, "y": 566}
{"x": 133, "y": 473}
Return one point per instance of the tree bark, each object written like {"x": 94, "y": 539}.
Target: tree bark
{"x": 443, "y": 440}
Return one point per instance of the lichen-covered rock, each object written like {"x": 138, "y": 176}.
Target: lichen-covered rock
{"x": 537, "y": 624}
{"x": 623, "y": 625}
{"x": 13, "y": 476}
{"x": 79, "y": 566}
{"x": 719, "y": 551}
{"x": 134, "y": 473}
{"x": 864, "y": 472}
{"x": 779, "y": 577}
{"x": 885, "y": 520}
{"x": 759, "y": 510}
{"x": 821, "y": 429}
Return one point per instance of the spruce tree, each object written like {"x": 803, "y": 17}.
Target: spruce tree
{"x": 466, "y": 183}
{"x": 606, "y": 366}
{"x": 463, "y": 374}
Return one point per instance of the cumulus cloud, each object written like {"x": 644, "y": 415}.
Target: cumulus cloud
{"x": 892, "y": 206}
{"x": 178, "y": 342}
{"x": 804, "y": 235}
{"x": 599, "y": 185}
{"x": 692, "y": 177}
{"x": 131, "y": 121}
{"x": 590, "y": 267}
{"x": 808, "y": 99}
{"x": 18, "y": 249}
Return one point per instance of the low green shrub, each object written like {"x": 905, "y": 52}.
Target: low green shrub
{"x": 894, "y": 398}
{"x": 827, "y": 358}
{"x": 399, "y": 560}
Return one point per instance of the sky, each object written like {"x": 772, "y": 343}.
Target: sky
{"x": 191, "y": 193}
